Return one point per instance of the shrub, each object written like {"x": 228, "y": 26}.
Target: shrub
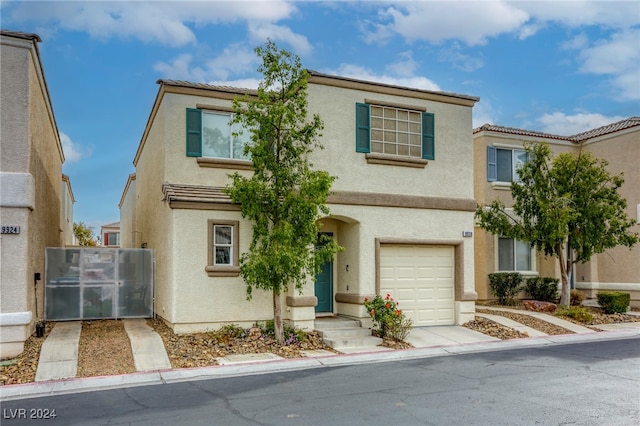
{"x": 576, "y": 297}
{"x": 231, "y": 330}
{"x": 388, "y": 319}
{"x": 542, "y": 288}
{"x": 291, "y": 335}
{"x": 614, "y": 302}
{"x": 505, "y": 286}
{"x": 578, "y": 313}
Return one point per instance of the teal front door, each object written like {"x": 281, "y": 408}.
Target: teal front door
{"x": 324, "y": 288}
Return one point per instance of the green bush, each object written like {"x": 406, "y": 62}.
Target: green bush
{"x": 505, "y": 286}
{"x": 576, "y": 297}
{"x": 389, "y": 320}
{"x": 542, "y": 288}
{"x": 291, "y": 335}
{"x": 614, "y": 302}
{"x": 578, "y": 313}
{"x": 231, "y": 330}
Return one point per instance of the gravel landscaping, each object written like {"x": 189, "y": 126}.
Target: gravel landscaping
{"x": 529, "y": 321}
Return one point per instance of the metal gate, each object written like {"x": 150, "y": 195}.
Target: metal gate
{"x": 93, "y": 283}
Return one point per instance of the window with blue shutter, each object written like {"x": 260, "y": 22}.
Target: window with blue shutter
{"x": 362, "y": 128}
{"x": 428, "y": 136}
{"x": 492, "y": 164}
{"x": 194, "y": 132}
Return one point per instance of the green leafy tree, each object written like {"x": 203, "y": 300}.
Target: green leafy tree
{"x": 567, "y": 207}
{"x": 84, "y": 234}
{"x": 285, "y": 197}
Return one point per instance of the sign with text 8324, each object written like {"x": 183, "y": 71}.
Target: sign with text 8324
{"x": 10, "y": 229}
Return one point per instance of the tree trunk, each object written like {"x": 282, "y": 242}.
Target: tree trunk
{"x": 565, "y": 293}
{"x": 277, "y": 317}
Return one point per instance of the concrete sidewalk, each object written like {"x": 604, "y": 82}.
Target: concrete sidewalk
{"x": 58, "y": 359}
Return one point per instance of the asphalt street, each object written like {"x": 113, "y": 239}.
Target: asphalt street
{"x": 595, "y": 383}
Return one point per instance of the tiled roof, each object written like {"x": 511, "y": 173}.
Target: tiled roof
{"x": 194, "y": 193}
{"x": 229, "y": 89}
{"x": 112, "y": 225}
{"x": 604, "y": 130}
{"x": 609, "y": 128}
{"x": 20, "y": 34}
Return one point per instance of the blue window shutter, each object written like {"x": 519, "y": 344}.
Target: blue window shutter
{"x": 428, "y": 136}
{"x": 492, "y": 164}
{"x": 362, "y": 128}
{"x": 194, "y": 132}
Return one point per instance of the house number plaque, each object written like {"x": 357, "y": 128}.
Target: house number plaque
{"x": 10, "y": 229}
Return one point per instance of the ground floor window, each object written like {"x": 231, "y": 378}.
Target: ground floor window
{"x": 223, "y": 250}
{"x": 514, "y": 255}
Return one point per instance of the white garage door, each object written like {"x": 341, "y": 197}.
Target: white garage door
{"x": 421, "y": 278}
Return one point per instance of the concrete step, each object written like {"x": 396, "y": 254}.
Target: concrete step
{"x": 351, "y": 332}
{"x": 345, "y": 334}
{"x": 329, "y": 323}
{"x": 351, "y": 343}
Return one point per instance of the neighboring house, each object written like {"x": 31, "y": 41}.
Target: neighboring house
{"x": 35, "y": 197}
{"x": 498, "y": 150}
{"x": 110, "y": 235}
{"x": 402, "y": 205}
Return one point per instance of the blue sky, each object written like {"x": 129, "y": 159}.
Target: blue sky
{"x": 560, "y": 67}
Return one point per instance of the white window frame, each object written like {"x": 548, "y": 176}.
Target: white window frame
{"x": 396, "y": 128}
{"x": 532, "y": 255}
{"x": 213, "y": 268}
{"x": 514, "y": 163}
{"x": 231, "y": 128}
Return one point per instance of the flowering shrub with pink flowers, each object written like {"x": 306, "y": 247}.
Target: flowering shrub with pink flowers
{"x": 388, "y": 319}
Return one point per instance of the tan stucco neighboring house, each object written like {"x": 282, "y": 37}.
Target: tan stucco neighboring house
{"x": 402, "y": 205}
{"x": 32, "y": 200}
{"x": 498, "y": 149}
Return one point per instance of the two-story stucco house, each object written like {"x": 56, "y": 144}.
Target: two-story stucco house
{"x": 502, "y": 148}
{"x": 402, "y": 205}
{"x": 36, "y": 201}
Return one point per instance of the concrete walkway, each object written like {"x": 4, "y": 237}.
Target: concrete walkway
{"x": 148, "y": 350}
{"x": 59, "y": 352}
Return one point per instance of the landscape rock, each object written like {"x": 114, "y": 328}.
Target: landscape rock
{"x": 538, "y": 306}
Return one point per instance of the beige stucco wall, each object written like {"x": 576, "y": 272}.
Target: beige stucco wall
{"x": 618, "y": 268}
{"x": 446, "y": 176}
{"x": 31, "y": 193}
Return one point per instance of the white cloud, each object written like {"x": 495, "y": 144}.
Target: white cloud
{"x": 180, "y": 68}
{"x": 573, "y": 13}
{"x": 72, "y": 151}
{"x": 483, "y": 113}
{"x": 459, "y": 60}
{"x": 362, "y": 73}
{"x": 242, "y": 83}
{"x": 618, "y": 57}
{"x": 558, "y": 123}
{"x": 260, "y": 32}
{"x": 405, "y": 66}
{"x": 471, "y": 22}
{"x": 162, "y": 22}
{"x": 578, "y": 42}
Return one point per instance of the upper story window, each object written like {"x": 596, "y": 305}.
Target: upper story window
{"x": 210, "y": 134}
{"x": 503, "y": 164}
{"x": 395, "y": 131}
{"x": 111, "y": 239}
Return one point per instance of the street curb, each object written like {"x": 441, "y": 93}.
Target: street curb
{"x": 159, "y": 377}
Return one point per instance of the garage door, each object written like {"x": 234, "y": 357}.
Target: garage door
{"x": 421, "y": 278}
